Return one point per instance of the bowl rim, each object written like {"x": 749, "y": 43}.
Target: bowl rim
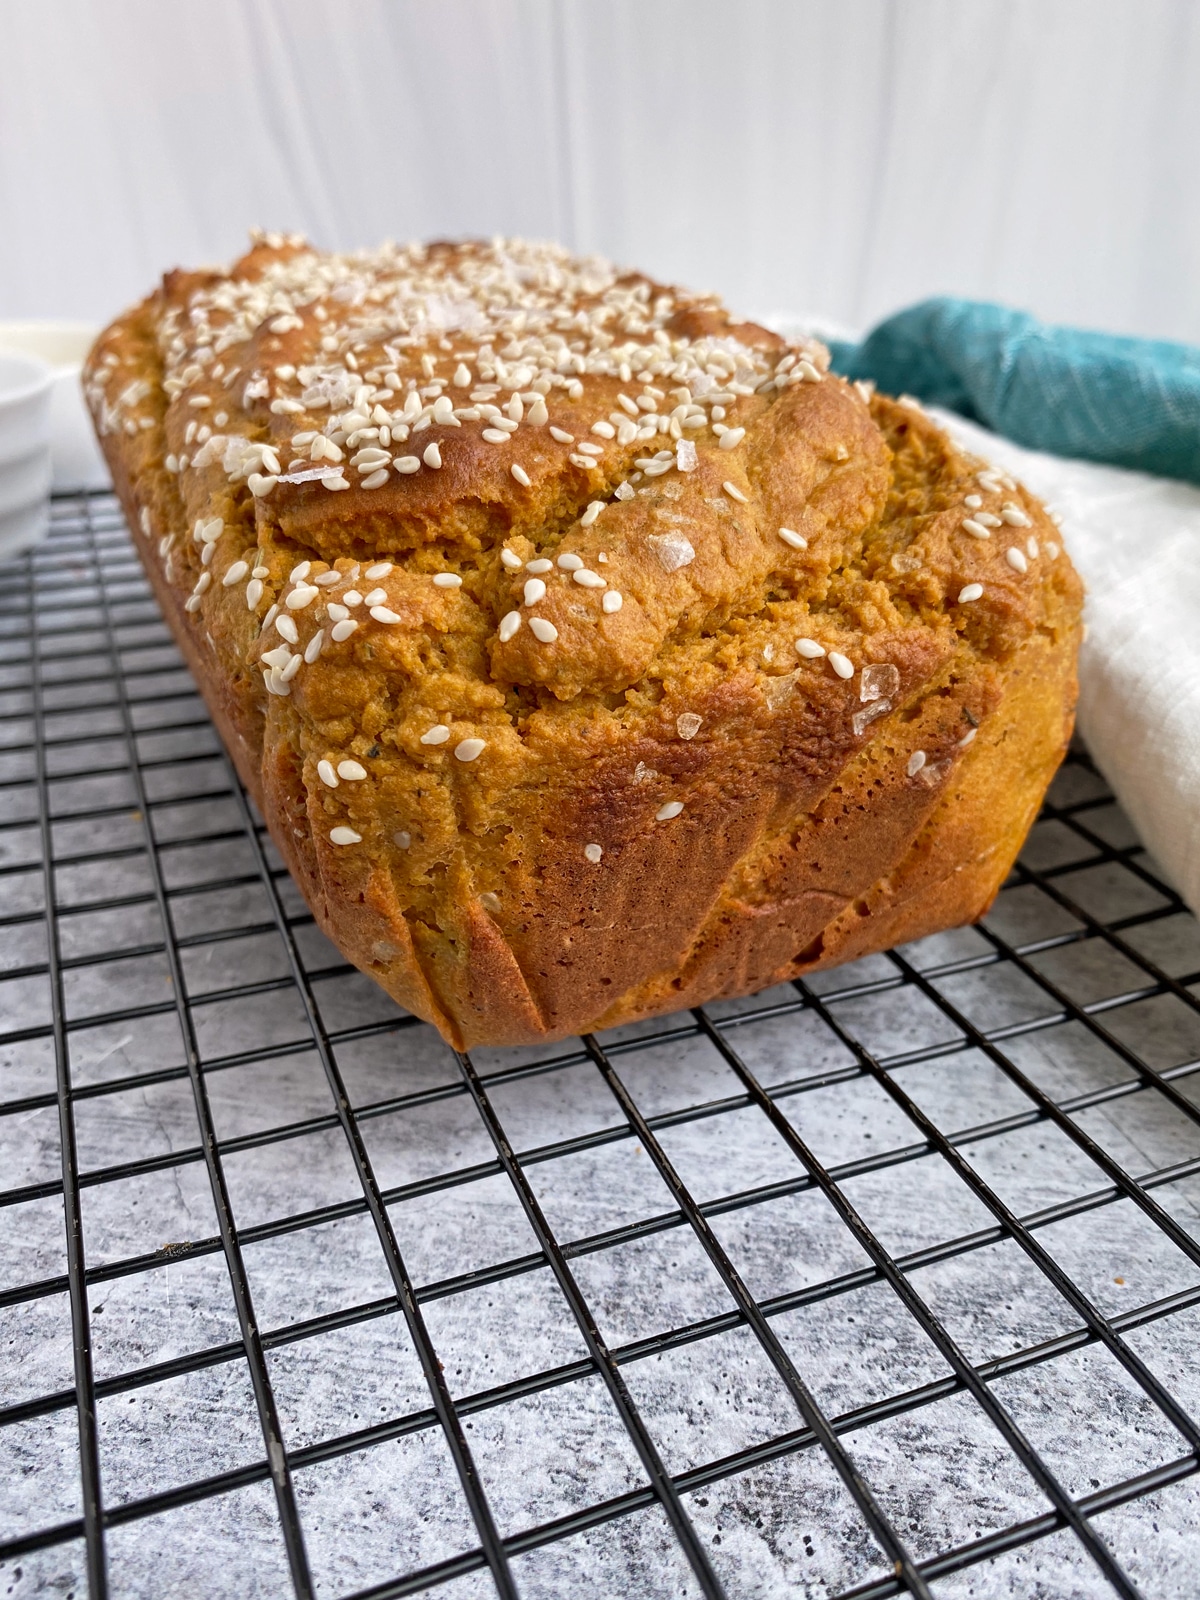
{"x": 38, "y": 378}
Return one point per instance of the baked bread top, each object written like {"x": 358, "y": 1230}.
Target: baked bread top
{"x": 504, "y": 560}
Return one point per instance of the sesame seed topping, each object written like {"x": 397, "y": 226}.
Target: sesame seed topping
{"x": 809, "y": 649}
{"x": 687, "y": 724}
{"x": 976, "y": 529}
{"x": 469, "y": 749}
{"x": 438, "y": 734}
{"x": 1031, "y": 545}
{"x": 352, "y": 771}
{"x": 375, "y": 480}
{"x": 1016, "y": 559}
{"x": 432, "y": 456}
{"x": 299, "y": 572}
{"x": 254, "y": 591}
{"x": 402, "y": 840}
{"x": 543, "y": 630}
{"x": 593, "y": 852}
{"x": 588, "y": 579}
{"x": 671, "y": 809}
{"x": 539, "y": 565}
{"x": 302, "y": 595}
{"x": 344, "y": 835}
{"x": 520, "y": 475}
{"x": 612, "y": 601}
{"x": 570, "y": 562}
{"x": 511, "y": 560}
{"x": 560, "y": 434}
{"x": 495, "y": 435}
{"x": 326, "y": 774}
{"x": 379, "y": 570}
{"x": 730, "y": 439}
{"x": 376, "y": 597}
{"x": 342, "y": 630}
{"x": 970, "y": 591}
{"x": 352, "y": 597}
{"x": 973, "y": 501}
{"x": 260, "y": 483}
{"x": 407, "y": 464}
{"x": 509, "y": 624}
{"x": 235, "y": 574}
{"x": 967, "y": 737}
{"x": 796, "y": 540}
{"x": 462, "y": 376}
{"x": 593, "y": 511}
{"x": 1014, "y": 516}
{"x": 287, "y": 629}
{"x": 313, "y": 648}
{"x": 385, "y": 615}
{"x": 335, "y": 481}
{"x": 447, "y": 580}
{"x": 734, "y": 493}
{"x": 915, "y": 762}
{"x": 535, "y": 590}
{"x": 841, "y": 664}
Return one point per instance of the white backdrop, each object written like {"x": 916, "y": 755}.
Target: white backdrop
{"x": 840, "y": 156}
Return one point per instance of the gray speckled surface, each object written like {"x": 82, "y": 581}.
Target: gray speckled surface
{"x": 776, "y": 1520}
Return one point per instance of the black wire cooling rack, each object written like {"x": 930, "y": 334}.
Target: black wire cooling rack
{"x": 882, "y": 1283}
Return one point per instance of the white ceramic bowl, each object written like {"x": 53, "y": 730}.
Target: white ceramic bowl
{"x": 25, "y": 389}
{"x": 76, "y": 457}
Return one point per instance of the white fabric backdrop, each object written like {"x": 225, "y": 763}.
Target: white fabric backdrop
{"x": 843, "y": 155}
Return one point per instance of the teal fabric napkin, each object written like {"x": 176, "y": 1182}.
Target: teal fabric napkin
{"x": 1095, "y": 396}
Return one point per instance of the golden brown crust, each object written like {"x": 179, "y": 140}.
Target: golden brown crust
{"x": 557, "y": 809}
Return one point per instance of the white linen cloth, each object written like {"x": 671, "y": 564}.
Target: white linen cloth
{"x": 1136, "y": 543}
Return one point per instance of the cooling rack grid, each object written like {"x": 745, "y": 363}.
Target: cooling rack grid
{"x": 886, "y": 1282}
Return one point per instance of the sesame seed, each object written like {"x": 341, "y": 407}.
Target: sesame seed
{"x": 352, "y": 597}
{"x": 287, "y": 629}
{"x": 509, "y": 624}
{"x": 841, "y": 664}
{"x": 511, "y": 560}
{"x": 407, "y": 464}
{"x": 973, "y": 501}
{"x": 345, "y": 835}
{"x": 432, "y": 456}
{"x": 604, "y": 429}
{"x": 593, "y": 852}
{"x": 1052, "y": 549}
{"x": 671, "y": 809}
{"x": 687, "y": 724}
{"x": 734, "y": 493}
{"x": 971, "y": 591}
{"x": 261, "y": 572}
{"x": 336, "y": 612}
{"x": 302, "y": 595}
{"x": 385, "y": 615}
{"x": 809, "y": 649}
{"x": 438, "y": 734}
{"x": 299, "y": 572}
{"x": 469, "y": 749}
{"x": 587, "y": 579}
{"x": 326, "y": 774}
{"x": 560, "y": 434}
{"x": 538, "y": 415}
{"x": 1013, "y": 515}
{"x": 376, "y": 597}
{"x": 731, "y": 438}
{"x": 447, "y": 580}
{"x": 796, "y": 540}
{"x": 570, "y": 562}
{"x": 313, "y": 648}
{"x": 520, "y": 475}
{"x": 379, "y": 570}
{"x": 1031, "y": 546}
{"x": 540, "y": 565}
{"x": 1016, "y": 559}
{"x": 967, "y": 737}
{"x": 402, "y": 840}
{"x": 342, "y": 630}
{"x": 587, "y": 448}
{"x": 260, "y": 483}
{"x": 495, "y": 435}
{"x": 462, "y": 376}
{"x": 352, "y": 771}
{"x": 235, "y": 574}
{"x": 987, "y": 519}
{"x": 612, "y": 601}
{"x": 375, "y": 480}
{"x": 535, "y": 590}
{"x": 254, "y": 591}
{"x": 335, "y": 481}
{"x": 976, "y": 529}
{"x": 545, "y": 632}
{"x": 592, "y": 512}
{"x": 915, "y": 762}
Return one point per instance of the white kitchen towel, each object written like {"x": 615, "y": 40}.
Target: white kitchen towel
{"x": 1136, "y": 542}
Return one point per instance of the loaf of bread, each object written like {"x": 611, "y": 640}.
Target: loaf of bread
{"x": 589, "y": 653}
